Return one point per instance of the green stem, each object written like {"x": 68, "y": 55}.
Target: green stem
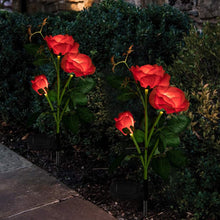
{"x": 146, "y": 132}
{"x": 58, "y": 78}
{"x": 126, "y": 65}
{"x": 58, "y": 93}
{"x": 145, "y": 172}
{"x": 126, "y": 58}
{"x": 40, "y": 32}
{"x": 64, "y": 109}
{"x": 138, "y": 148}
{"x": 124, "y": 61}
{"x": 64, "y": 89}
{"x": 140, "y": 95}
{"x": 51, "y": 106}
{"x": 153, "y": 127}
{"x": 152, "y": 153}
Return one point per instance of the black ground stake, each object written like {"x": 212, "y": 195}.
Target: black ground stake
{"x": 58, "y": 149}
{"x": 145, "y": 200}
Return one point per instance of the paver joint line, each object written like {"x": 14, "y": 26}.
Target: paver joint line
{"x": 32, "y": 209}
{"x": 41, "y": 206}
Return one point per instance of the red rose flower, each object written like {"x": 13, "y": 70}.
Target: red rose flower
{"x": 150, "y": 75}
{"x": 124, "y": 120}
{"x": 171, "y": 99}
{"x": 40, "y": 82}
{"x": 79, "y": 64}
{"x": 62, "y": 44}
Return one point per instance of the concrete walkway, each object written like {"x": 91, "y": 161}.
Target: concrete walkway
{"x": 29, "y": 193}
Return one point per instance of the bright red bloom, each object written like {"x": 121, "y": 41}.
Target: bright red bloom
{"x": 79, "y": 64}
{"x": 62, "y": 44}
{"x": 125, "y": 120}
{"x": 171, "y": 99}
{"x": 40, "y": 82}
{"x": 150, "y": 75}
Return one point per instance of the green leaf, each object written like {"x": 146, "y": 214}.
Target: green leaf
{"x": 156, "y": 152}
{"x": 176, "y": 157}
{"x": 129, "y": 157}
{"x": 79, "y": 99}
{"x": 139, "y": 135}
{"x": 161, "y": 147}
{"x": 162, "y": 167}
{"x": 125, "y": 96}
{"x": 115, "y": 81}
{"x": 178, "y": 123}
{"x": 33, "y": 118}
{"x": 169, "y": 138}
{"x": 116, "y": 163}
{"x": 85, "y": 85}
{"x": 71, "y": 123}
{"x": 85, "y": 115}
{"x": 32, "y": 49}
{"x": 40, "y": 61}
{"x": 52, "y": 95}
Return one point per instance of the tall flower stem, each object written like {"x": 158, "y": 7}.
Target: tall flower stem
{"x": 51, "y": 106}
{"x": 145, "y": 133}
{"x": 58, "y": 94}
{"x": 152, "y": 153}
{"x": 145, "y": 186}
{"x": 58, "y": 146}
{"x": 153, "y": 127}
{"x": 64, "y": 89}
{"x": 138, "y": 148}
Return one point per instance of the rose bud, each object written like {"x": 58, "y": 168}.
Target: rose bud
{"x": 40, "y": 82}
{"x": 125, "y": 120}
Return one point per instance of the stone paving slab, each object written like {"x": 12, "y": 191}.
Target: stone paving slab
{"x": 28, "y": 188}
{"x": 28, "y": 192}
{"x": 10, "y": 161}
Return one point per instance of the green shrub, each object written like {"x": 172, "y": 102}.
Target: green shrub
{"x": 159, "y": 33}
{"x": 195, "y": 189}
{"x": 196, "y": 70}
{"x": 109, "y": 28}
{"x": 15, "y": 66}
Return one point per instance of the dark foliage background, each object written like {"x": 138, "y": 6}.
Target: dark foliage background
{"x": 160, "y": 34}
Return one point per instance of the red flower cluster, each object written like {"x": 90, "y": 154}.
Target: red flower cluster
{"x": 163, "y": 96}
{"x": 73, "y": 61}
